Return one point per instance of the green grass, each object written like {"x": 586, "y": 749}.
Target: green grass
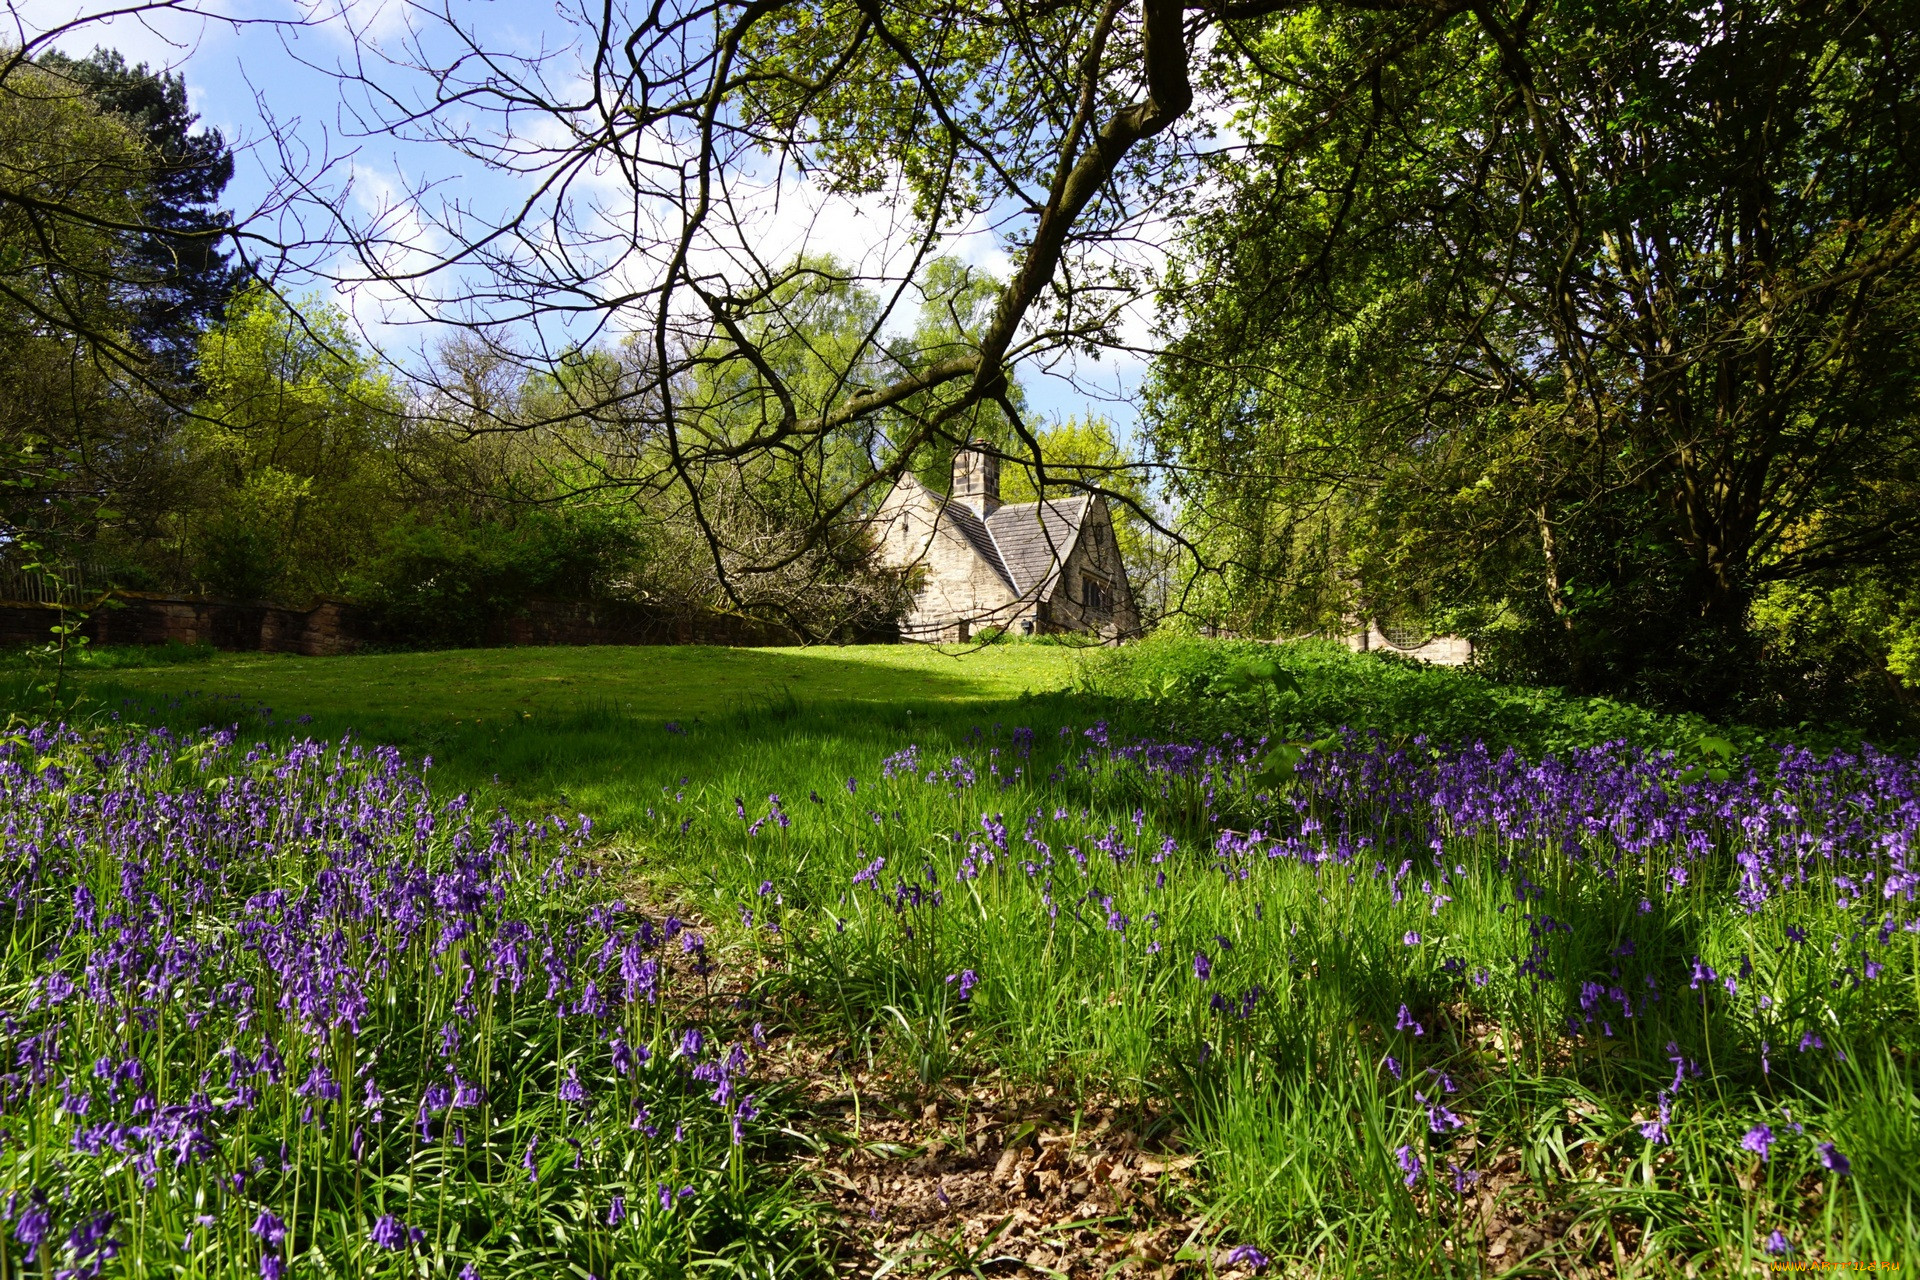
{"x": 1294, "y": 1110}
{"x": 578, "y": 728}
{"x": 667, "y": 682}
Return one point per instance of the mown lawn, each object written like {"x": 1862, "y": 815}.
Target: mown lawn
{"x": 669, "y": 682}
{"x": 597, "y": 729}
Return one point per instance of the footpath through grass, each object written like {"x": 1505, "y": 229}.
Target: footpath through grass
{"x": 1022, "y": 981}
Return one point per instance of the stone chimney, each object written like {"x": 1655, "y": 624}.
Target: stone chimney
{"x": 976, "y": 478}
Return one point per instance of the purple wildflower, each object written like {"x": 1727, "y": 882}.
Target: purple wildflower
{"x": 1410, "y": 1163}
{"x": 1249, "y": 1257}
{"x": 389, "y": 1232}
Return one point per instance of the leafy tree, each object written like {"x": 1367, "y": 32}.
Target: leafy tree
{"x": 1583, "y": 324}
{"x": 107, "y": 269}
{"x": 294, "y": 449}
{"x": 175, "y": 253}
{"x": 72, "y": 174}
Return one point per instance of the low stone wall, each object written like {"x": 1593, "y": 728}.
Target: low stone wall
{"x": 326, "y": 626}
{"x": 330, "y": 626}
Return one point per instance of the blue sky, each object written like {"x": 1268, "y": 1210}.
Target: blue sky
{"x": 273, "y": 66}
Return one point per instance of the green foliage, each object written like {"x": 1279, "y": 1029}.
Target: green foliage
{"x": 84, "y": 172}
{"x": 71, "y": 174}
{"x": 1307, "y": 689}
{"x": 175, "y": 254}
{"x": 1446, "y": 348}
{"x": 293, "y": 445}
{"x": 442, "y": 583}
{"x": 956, "y": 306}
{"x": 1845, "y": 646}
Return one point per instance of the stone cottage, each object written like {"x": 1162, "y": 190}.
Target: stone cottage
{"x": 1029, "y": 567}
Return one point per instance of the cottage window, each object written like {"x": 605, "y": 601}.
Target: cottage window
{"x": 1094, "y": 594}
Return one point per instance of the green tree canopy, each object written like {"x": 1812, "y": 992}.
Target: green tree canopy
{"x": 72, "y": 177}
{"x": 1598, "y": 318}
{"x": 293, "y": 448}
{"x": 176, "y": 251}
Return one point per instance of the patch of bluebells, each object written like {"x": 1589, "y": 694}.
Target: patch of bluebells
{"x": 1402, "y": 821}
{"x": 221, "y": 951}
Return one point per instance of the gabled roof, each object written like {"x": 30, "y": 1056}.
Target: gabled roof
{"x": 1024, "y": 542}
{"x": 1033, "y": 539}
{"x": 979, "y": 536}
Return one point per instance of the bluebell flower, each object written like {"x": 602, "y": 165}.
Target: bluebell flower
{"x": 1249, "y": 1257}
{"x": 1655, "y": 1131}
{"x": 389, "y": 1232}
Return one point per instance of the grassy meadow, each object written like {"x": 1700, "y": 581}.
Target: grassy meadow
{"x": 586, "y": 727}
{"x": 892, "y": 960}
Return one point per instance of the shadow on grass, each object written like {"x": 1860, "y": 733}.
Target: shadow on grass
{"x": 602, "y": 757}
{"x": 664, "y": 681}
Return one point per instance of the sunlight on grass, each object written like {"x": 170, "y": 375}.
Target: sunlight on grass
{"x": 667, "y": 681}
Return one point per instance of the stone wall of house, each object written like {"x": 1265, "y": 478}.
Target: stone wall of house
{"x": 330, "y": 626}
{"x": 961, "y": 592}
{"x": 1097, "y": 550}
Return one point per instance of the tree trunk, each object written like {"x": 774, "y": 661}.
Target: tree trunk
{"x": 1557, "y": 599}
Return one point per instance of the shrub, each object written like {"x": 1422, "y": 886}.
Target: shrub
{"x": 443, "y": 583}
{"x": 1309, "y": 688}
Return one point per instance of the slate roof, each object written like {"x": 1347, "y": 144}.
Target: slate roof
{"x": 1025, "y": 542}
{"x": 1034, "y": 537}
{"x": 975, "y": 531}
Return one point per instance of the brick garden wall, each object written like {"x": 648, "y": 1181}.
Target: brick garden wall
{"x": 329, "y": 626}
